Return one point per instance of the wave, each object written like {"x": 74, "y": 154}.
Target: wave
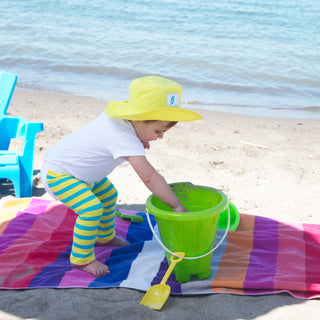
{"x": 233, "y": 53}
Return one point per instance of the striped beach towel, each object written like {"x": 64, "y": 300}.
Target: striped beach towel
{"x": 263, "y": 256}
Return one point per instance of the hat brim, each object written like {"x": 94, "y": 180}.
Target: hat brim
{"x": 121, "y": 110}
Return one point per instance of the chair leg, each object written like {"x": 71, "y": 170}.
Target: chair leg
{"x": 16, "y": 186}
{"x": 25, "y": 188}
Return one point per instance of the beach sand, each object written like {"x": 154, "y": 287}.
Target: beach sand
{"x": 267, "y": 167}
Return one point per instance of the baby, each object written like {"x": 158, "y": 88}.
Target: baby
{"x": 75, "y": 170}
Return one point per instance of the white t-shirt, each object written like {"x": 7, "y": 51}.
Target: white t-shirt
{"x": 92, "y": 152}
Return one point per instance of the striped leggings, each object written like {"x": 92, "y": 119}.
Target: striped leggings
{"x": 95, "y": 205}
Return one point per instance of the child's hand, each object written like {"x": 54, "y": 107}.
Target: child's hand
{"x": 180, "y": 208}
{"x": 155, "y": 182}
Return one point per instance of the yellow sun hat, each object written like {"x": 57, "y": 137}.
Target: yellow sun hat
{"x": 152, "y": 98}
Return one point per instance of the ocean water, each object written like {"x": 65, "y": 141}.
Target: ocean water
{"x": 241, "y": 56}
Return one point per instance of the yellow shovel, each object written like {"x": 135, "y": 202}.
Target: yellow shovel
{"x": 157, "y": 295}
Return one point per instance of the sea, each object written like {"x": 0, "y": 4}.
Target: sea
{"x": 252, "y": 57}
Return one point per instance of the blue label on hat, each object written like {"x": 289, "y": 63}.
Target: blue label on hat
{"x": 172, "y": 100}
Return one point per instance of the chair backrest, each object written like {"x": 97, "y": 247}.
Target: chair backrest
{"x": 7, "y": 83}
{"x": 17, "y": 166}
{"x": 11, "y": 128}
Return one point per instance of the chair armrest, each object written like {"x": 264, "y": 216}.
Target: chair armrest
{"x": 31, "y": 130}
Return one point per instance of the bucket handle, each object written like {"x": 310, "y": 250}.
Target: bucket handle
{"x": 189, "y": 258}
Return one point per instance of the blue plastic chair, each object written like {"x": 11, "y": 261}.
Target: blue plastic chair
{"x": 17, "y": 166}
{"x": 7, "y": 83}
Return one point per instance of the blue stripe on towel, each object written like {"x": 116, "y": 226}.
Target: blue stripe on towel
{"x": 125, "y": 256}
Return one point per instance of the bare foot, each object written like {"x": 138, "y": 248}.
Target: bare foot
{"x": 115, "y": 242}
{"x": 94, "y": 268}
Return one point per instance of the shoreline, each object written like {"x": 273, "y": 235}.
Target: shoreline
{"x": 274, "y": 112}
{"x": 266, "y": 166}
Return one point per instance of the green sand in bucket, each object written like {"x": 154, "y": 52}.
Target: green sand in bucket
{"x": 191, "y": 232}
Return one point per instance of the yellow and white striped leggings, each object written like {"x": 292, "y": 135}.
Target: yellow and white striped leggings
{"x": 95, "y": 205}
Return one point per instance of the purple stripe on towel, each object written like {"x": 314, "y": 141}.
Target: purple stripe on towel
{"x": 174, "y": 285}
{"x": 312, "y": 247}
{"x": 263, "y": 258}
{"x": 24, "y": 220}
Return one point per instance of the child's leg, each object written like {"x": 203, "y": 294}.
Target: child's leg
{"x": 107, "y": 194}
{"x": 78, "y": 196}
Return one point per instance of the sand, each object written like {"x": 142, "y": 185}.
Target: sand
{"x": 268, "y": 167}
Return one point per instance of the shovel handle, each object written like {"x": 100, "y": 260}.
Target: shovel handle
{"x": 174, "y": 261}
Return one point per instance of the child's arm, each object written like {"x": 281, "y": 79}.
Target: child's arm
{"x": 155, "y": 182}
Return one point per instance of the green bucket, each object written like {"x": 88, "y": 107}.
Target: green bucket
{"x": 230, "y": 216}
{"x": 191, "y": 232}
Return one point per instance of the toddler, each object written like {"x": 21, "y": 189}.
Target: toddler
{"x": 75, "y": 170}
